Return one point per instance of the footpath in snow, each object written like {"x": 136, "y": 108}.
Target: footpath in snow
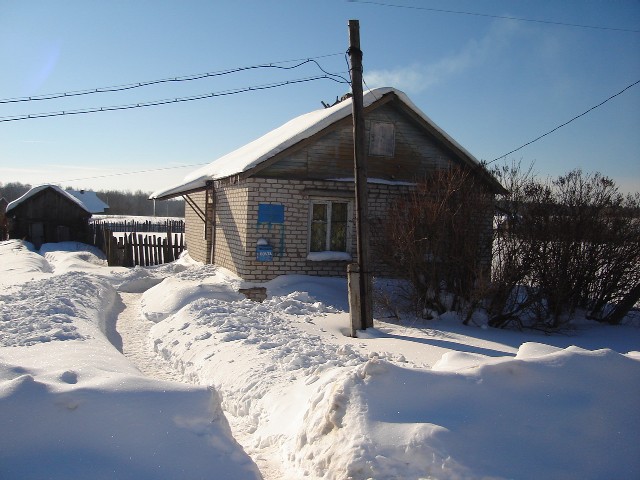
{"x": 407, "y": 399}
{"x": 133, "y": 328}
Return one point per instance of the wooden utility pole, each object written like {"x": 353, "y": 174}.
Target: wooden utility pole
{"x": 362, "y": 317}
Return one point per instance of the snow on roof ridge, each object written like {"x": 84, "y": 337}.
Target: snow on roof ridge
{"x": 283, "y": 137}
{"x": 38, "y": 189}
{"x": 90, "y": 199}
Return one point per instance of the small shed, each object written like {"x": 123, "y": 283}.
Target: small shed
{"x": 47, "y": 214}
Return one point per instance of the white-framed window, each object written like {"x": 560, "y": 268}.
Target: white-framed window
{"x": 330, "y": 225}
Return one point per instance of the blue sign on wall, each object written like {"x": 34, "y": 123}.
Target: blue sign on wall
{"x": 271, "y": 213}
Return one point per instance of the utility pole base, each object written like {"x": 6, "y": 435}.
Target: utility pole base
{"x": 355, "y": 312}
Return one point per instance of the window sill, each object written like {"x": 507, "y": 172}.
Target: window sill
{"x": 329, "y": 256}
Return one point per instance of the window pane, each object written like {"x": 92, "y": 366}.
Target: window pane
{"x": 339, "y": 213}
{"x": 319, "y": 212}
{"x": 318, "y": 241}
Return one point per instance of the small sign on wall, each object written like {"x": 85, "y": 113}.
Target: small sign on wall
{"x": 270, "y": 215}
{"x": 264, "y": 253}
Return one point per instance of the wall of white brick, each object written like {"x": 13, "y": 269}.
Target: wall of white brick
{"x": 289, "y": 241}
{"x": 231, "y": 227}
{"x": 197, "y": 244}
{"x": 237, "y": 230}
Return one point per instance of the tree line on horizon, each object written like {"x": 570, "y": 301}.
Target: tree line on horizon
{"x": 120, "y": 202}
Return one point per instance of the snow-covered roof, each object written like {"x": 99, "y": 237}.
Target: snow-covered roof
{"x": 90, "y": 200}
{"x": 40, "y": 188}
{"x": 278, "y": 140}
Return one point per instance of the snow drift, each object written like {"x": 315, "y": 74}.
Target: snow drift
{"x": 71, "y": 406}
{"x": 408, "y": 400}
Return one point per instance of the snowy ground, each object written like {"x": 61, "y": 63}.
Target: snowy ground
{"x": 409, "y": 399}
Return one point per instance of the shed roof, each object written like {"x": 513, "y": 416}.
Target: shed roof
{"x": 90, "y": 200}
{"x": 300, "y": 128}
{"x": 40, "y": 188}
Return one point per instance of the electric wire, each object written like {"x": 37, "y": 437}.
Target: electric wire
{"x": 481, "y": 165}
{"x": 152, "y": 103}
{"x": 119, "y": 174}
{"x": 184, "y": 78}
{"x": 500, "y": 17}
{"x": 565, "y": 123}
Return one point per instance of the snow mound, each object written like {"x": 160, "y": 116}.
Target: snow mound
{"x": 72, "y": 406}
{"x": 73, "y": 256}
{"x": 173, "y": 293}
{"x": 76, "y": 421}
{"x": 255, "y": 356}
{"x": 72, "y": 247}
{"x": 496, "y": 419}
{"x": 335, "y": 412}
{"x": 328, "y": 290}
{"x": 20, "y": 263}
{"x": 62, "y": 300}
{"x": 264, "y": 326}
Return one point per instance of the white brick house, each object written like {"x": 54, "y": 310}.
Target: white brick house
{"x": 284, "y": 203}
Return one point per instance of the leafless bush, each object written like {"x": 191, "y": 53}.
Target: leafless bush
{"x": 559, "y": 247}
{"x": 439, "y": 235}
{"x": 567, "y": 244}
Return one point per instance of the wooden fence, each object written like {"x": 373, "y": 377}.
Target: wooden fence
{"x": 136, "y": 249}
{"x": 175, "y": 226}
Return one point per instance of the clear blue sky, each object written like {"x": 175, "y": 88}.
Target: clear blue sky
{"x": 492, "y": 84}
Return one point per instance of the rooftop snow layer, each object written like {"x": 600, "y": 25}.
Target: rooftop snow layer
{"x": 40, "y": 188}
{"x": 90, "y": 200}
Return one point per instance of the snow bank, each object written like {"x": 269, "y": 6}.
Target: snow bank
{"x": 20, "y": 263}
{"x": 255, "y": 356}
{"x": 86, "y": 413}
{"x": 528, "y": 418}
{"x": 65, "y": 307}
{"x": 335, "y": 407}
{"x": 186, "y": 287}
{"x": 72, "y": 406}
{"x": 73, "y": 256}
{"x": 436, "y": 400}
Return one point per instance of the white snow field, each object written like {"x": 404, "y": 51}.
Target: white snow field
{"x": 279, "y": 380}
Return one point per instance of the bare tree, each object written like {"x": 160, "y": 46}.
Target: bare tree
{"x": 439, "y": 237}
{"x": 570, "y": 244}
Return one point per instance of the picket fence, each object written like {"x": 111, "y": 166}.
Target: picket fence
{"x": 133, "y": 249}
{"x": 175, "y": 226}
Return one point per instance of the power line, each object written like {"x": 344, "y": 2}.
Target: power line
{"x": 501, "y": 17}
{"x": 152, "y": 103}
{"x": 184, "y": 78}
{"x": 484, "y": 164}
{"x": 132, "y": 173}
{"x": 565, "y": 123}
